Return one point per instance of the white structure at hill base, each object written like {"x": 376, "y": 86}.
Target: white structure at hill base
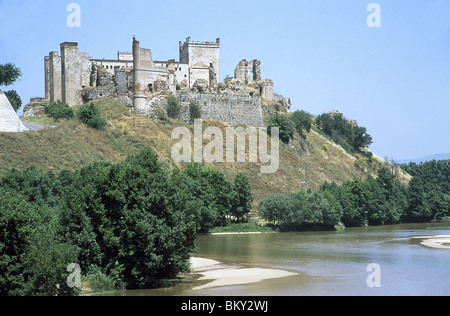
{"x": 9, "y": 120}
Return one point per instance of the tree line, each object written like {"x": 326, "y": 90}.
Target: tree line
{"x": 132, "y": 224}
{"x": 347, "y": 134}
{"x": 373, "y": 201}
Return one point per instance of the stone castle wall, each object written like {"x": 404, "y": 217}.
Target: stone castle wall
{"x": 136, "y": 79}
{"x": 229, "y": 108}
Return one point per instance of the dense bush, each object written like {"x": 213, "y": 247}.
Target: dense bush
{"x": 89, "y": 114}
{"x": 58, "y": 110}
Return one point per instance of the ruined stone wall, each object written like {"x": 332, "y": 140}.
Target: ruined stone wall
{"x": 55, "y": 77}
{"x": 248, "y": 71}
{"x": 226, "y": 107}
{"x": 47, "y": 76}
{"x": 121, "y": 82}
{"x": 76, "y": 70}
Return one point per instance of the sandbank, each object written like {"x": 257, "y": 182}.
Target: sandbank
{"x": 438, "y": 241}
{"x": 223, "y": 275}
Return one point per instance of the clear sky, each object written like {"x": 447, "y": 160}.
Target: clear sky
{"x": 393, "y": 79}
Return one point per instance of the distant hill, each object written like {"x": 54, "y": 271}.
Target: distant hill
{"x": 427, "y": 158}
{"x": 73, "y": 145}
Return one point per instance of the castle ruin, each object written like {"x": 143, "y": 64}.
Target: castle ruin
{"x": 143, "y": 83}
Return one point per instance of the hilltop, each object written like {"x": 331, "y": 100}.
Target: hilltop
{"x": 72, "y": 145}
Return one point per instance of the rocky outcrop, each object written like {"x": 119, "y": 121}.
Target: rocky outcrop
{"x": 36, "y": 106}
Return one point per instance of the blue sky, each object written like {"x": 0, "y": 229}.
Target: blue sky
{"x": 394, "y": 80}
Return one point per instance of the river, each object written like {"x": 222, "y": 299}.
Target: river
{"x": 327, "y": 263}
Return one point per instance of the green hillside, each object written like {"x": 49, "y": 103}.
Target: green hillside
{"x": 72, "y": 145}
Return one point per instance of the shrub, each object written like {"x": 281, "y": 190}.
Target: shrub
{"x": 195, "y": 110}
{"x": 58, "y": 110}
{"x": 90, "y": 115}
{"x": 98, "y": 281}
{"x": 173, "y": 107}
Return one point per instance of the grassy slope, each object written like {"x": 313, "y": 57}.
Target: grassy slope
{"x": 73, "y": 145}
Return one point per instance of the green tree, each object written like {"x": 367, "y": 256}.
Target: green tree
{"x": 285, "y": 126}
{"x": 210, "y": 191}
{"x": 173, "y": 106}
{"x": 195, "y": 110}
{"x": 14, "y": 99}
{"x": 241, "y": 198}
{"x": 288, "y": 211}
{"x": 33, "y": 257}
{"x": 303, "y": 122}
{"x": 418, "y": 209}
{"x": 352, "y": 196}
{"x": 134, "y": 216}
{"x": 9, "y": 73}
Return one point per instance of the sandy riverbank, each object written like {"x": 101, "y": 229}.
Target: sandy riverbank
{"x": 223, "y": 275}
{"x": 438, "y": 241}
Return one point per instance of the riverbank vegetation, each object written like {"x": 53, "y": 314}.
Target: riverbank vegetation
{"x": 374, "y": 201}
{"x": 132, "y": 224}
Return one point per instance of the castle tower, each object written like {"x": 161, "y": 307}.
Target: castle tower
{"x": 203, "y": 58}
{"x": 75, "y": 73}
{"x": 142, "y": 66}
{"x": 47, "y": 76}
{"x": 55, "y": 83}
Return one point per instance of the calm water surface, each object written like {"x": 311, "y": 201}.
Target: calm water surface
{"x": 328, "y": 263}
